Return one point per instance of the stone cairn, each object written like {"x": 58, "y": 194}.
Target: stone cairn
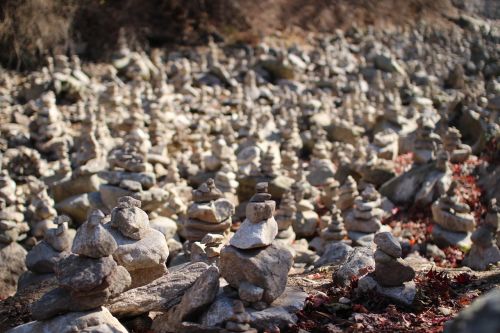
{"x": 88, "y": 276}
{"x": 426, "y": 142}
{"x": 306, "y": 220}
{"x": 347, "y": 194}
{"x": 484, "y": 250}
{"x": 285, "y": 216}
{"x": 209, "y": 213}
{"x": 330, "y": 193}
{"x": 452, "y": 143}
{"x": 142, "y": 250}
{"x": 334, "y": 230}
{"x": 208, "y": 249}
{"x": 239, "y": 321}
{"x": 225, "y": 180}
{"x": 454, "y": 221}
{"x": 365, "y": 219}
{"x": 12, "y": 254}
{"x": 42, "y": 258}
{"x": 12, "y": 225}
{"x": 393, "y": 276}
{"x": 252, "y": 263}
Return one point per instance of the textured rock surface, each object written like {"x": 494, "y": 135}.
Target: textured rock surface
{"x": 97, "y": 321}
{"x": 358, "y": 262}
{"x": 254, "y": 235}
{"x": 158, "y": 294}
{"x": 266, "y": 268}
{"x": 12, "y": 265}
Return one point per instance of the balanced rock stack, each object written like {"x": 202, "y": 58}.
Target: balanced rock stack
{"x": 306, "y": 219}
{"x": 393, "y": 276}
{"x": 334, "y": 231}
{"x": 454, "y": 222}
{"x": 210, "y": 213}
{"x": 252, "y": 263}
{"x": 285, "y": 216}
{"x": 330, "y": 192}
{"x": 239, "y": 321}
{"x": 225, "y": 180}
{"x": 347, "y": 194}
{"x": 484, "y": 250}
{"x": 208, "y": 249}
{"x": 452, "y": 143}
{"x": 365, "y": 219}
{"x": 426, "y": 142}
{"x": 12, "y": 254}
{"x": 43, "y": 257}
{"x": 88, "y": 277}
{"x": 142, "y": 250}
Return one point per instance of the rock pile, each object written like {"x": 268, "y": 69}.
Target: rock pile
{"x": 365, "y": 219}
{"x": 209, "y": 213}
{"x": 393, "y": 276}
{"x": 87, "y": 277}
{"x": 252, "y": 263}
{"x": 484, "y": 250}
{"x": 454, "y": 221}
{"x": 142, "y": 250}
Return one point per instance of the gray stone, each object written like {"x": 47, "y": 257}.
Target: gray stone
{"x": 158, "y": 294}
{"x": 198, "y": 297}
{"x": 388, "y": 243}
{"x": 334, "y": 254}
{"x": 444, "y": 238}
{"x": 266, "y": 268}
{"x": 97, "y": 321}
{"x": 281, "y": 313}
{"x": 165, "y": 225}
{"x": 42, "y": 258}
{"x": 404, "y": 294}
{"x": 254, "y": 235}
{"x": 483, "y": 315}
{"x": 212, "y": 212}
{"x": 93, "y": 240}
{"x": 249, "y": 292}
{"x": 78, "y": 273}
{"x": 12, "y": 257}
{"x": 260, "y": 211}
{"x": 132, "y": 222}
{"x": 306, "y": 223}
{"x": 150, "y": 251}
{"x": 358, "y": 263}
{"x": 392, "y": 272}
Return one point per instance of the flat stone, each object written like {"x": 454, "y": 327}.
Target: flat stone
{"x": 165, "y": 225}
{"x": 388, "y": 243}
{"x": 453, "y": 222}
{"x": 254, "y": 235}
{"x": 199, "y": 296}
{"x": 368, "y": 226}
{"x": 266, "y": 268}
{"x": 156, "y": 295}
{"x": 404, "y": 294}
{"x": 358, "y": 263}
{"x": 211, "y": 212}
{"x": 98, "y": 320}
{"x": 444, "y": 238}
